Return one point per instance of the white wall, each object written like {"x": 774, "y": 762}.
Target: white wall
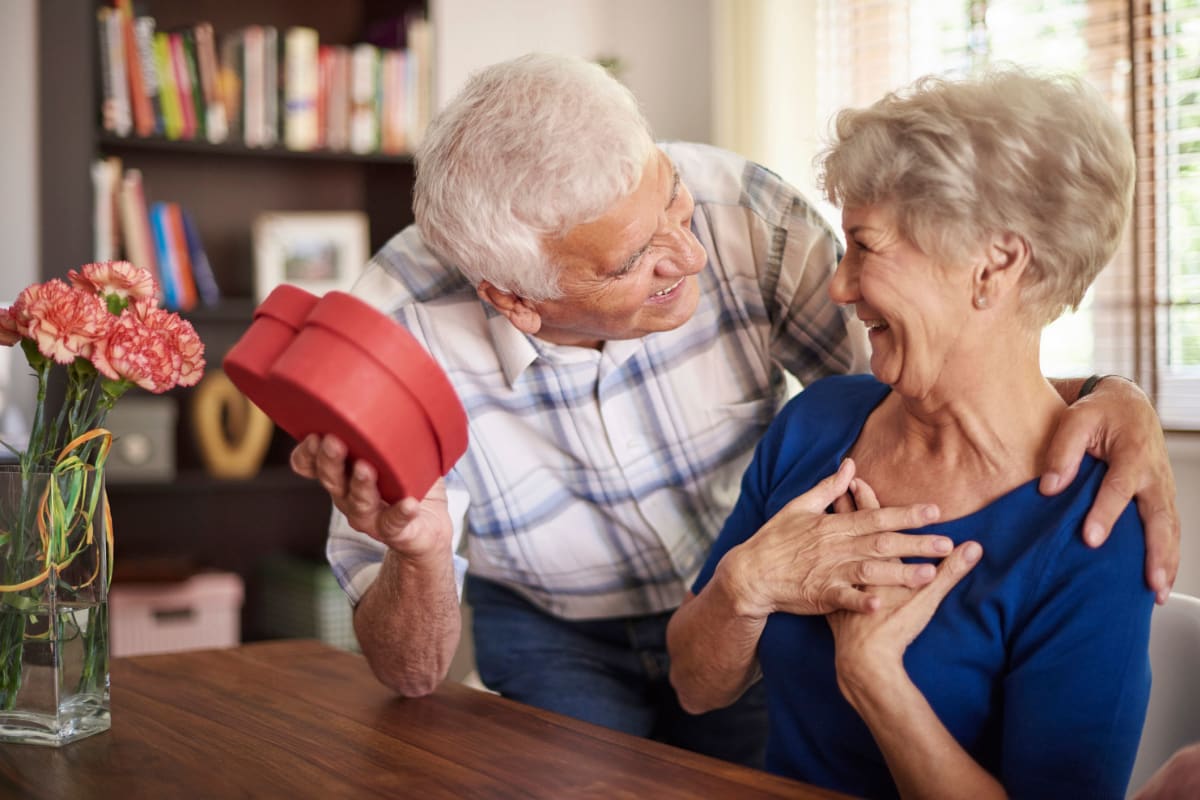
{"x": 18, "y": 176}
{"x": 664, "y": 47}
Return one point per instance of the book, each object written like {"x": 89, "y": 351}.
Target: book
{"x": 271, "y": 115}
{"x": 300, "y": 88}
{"x": 168, "y": 272}
{"x": 143, "y": 115}
{"x": 135, "y": 225}
{"x": 143, "y": 28}
{"x": 394, "y": 106}
{"x": 230, "y": 80}
{"x": 216, "y": 124}
{"x": 183, "y": 85}
{"x": 106, "y": 230}
{"x": 177, "y": 240}
{"x": 115, "y": 113}
{"x": 364, "y": 111}
{"x": 419, "y": 43}
{"x": 337, "y": 102}
{"x": 254, "y": 86}
{"x": 206, "y": 282}
{"x": 168, "y": 92}
{"x": 192, "y": 66}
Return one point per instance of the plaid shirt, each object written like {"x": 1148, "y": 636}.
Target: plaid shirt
{"x": 596, "y": 480}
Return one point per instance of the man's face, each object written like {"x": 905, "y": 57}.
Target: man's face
{"x": 632, "y": 271}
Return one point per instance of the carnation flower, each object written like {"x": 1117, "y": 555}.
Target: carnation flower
{"x": 118, "y": 278}
{"x": 11, "y": 331}
{"x": 108, "y": 330}
{"x": 62, "y": 321}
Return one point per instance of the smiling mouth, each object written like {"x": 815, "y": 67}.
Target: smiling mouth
{"x": 875, "y": 325}
{"x": 669, "y": 289}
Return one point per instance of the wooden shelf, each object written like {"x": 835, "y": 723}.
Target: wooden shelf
{"x": 119, "y": 144}
{"x": 273, "y": 479}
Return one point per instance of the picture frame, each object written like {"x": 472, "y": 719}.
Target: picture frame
{"x": 318, "y": 251}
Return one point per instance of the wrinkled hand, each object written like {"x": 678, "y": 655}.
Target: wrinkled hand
{"x": 807, "y": 561}
{"x": 1178, "y": 779}
{"x": 410, "y": 527}
{"x": 871, "y": 642}
{"x": 1117, "y": 423}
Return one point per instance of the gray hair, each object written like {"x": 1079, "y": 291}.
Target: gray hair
{"x": 529, "y": 149}
{"x": 1039, "y": 156}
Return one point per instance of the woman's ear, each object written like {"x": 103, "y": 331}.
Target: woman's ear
{"x": 519, "y": 311}
{"x": 1006, "y": 257}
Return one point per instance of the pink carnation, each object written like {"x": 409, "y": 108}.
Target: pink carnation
{"x": 151, "y": 347}
{"x": 64, "y": 322}
{"x": 11, "y": 331}
{"x": 115, "y": 277}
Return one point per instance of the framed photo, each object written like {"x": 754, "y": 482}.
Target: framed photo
{"x": 318, "y": 251}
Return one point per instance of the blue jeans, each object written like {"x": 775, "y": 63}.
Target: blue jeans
{"x": 611, "y": 672}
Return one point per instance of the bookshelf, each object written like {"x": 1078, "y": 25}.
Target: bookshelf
{"x": 230, "y": 525}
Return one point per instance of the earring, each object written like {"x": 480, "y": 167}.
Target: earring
{"x": 980, "y": 301}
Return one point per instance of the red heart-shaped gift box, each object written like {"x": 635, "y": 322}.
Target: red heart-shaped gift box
{"x": 335, "y": 365}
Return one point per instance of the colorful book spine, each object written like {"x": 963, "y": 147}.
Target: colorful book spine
{"x": 216, "y": 124}
{"x": 301, "y": 86}
{"x": 172, "y": 113}
{"x": 206, "y": 282}
{"x": 143, "y": 28}
{"x": 143, "y": 115}
{"x": 183, "y": 83}
{"x": 192, "y": 65}
{"x": 168, "y": 273}
{"x": 177, "y": 239}
{"x": 364, "y": 108}
{"x": 135, "y": 225}
{"x": 106, "y": 231}
{"x": 115, "y": 112}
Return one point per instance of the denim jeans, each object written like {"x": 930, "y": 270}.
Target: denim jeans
{"x": 611, "y": 672}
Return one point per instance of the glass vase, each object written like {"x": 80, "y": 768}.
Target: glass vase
{"x": 55, "y": 540}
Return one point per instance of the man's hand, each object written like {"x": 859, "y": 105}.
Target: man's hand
{"x": 411, "y": 527}
{"x": 1178, "y": 779}
{"x": 806, "y": 561}
{"x": 1117, "y": 423}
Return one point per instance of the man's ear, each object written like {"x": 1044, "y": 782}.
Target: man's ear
{"x": 519, "y": 311}
{"x": 1006, "y": 257}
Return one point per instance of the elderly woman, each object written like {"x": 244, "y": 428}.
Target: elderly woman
{"x": 974, "y": 213}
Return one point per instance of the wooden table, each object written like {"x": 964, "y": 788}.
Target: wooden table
{"x": 301, "y": 719}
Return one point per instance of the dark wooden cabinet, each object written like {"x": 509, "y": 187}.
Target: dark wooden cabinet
{"x": 224, "y": 524}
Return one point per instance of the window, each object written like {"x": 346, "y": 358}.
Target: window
{"x": 1142, "y": 316}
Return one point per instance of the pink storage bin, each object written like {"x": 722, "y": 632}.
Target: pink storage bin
{"x": 201, "y": 612}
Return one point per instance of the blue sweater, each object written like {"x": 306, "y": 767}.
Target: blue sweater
{"x": 1036, "y": 662}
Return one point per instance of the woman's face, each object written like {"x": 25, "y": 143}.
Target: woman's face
{"x": 915, "y": 309}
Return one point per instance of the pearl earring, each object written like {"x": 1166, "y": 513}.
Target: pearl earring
{"x": 980, "y": 301}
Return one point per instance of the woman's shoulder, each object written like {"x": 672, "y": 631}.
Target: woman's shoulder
{"x": 821, "y": 422}
{"x": 1061, "y": 556}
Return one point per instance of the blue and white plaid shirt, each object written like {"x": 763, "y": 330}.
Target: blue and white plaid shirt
{"x": 596, "y": 480}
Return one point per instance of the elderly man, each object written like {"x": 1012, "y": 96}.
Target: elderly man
{"x": 620, "y": 321}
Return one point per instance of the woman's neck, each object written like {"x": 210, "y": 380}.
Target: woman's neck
{"x": 961, "y": 445}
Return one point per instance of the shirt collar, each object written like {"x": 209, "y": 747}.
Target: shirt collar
{"x": 513, "y": 348}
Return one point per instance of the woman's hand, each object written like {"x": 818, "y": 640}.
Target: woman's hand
{"x": 807, "y": 561}
{"x": 412, "y": 528}
{"x": 870, "y": 647}
{"x": 1117, "y": 423}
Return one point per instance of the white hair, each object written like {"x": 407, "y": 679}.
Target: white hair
{"x": 1041, "y": 156}
{"x": 529, "y": 149}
